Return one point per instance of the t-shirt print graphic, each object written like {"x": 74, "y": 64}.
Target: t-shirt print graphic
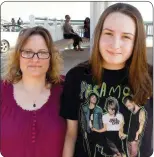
{"x": 113, "y": 122}
{"x": 137, "y": 124}
{"x": 103, "y": 128}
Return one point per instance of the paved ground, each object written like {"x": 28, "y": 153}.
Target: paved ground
{"x": 72, "y": 58}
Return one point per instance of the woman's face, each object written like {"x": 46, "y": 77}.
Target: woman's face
{"x": 111, "y": 109}
{"x": 87, "y": 19}
{"x": 35, "y": 66}
{"x": 117, "y": 40}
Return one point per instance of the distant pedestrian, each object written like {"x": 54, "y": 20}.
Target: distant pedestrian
{"x": 19, "y": 22}
{"x": 13, "y": 25}
{"x": 13, "y": 21}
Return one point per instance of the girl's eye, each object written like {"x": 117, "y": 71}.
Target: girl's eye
{"x": 126, "y": 37}
{"x": 108, "y": 33}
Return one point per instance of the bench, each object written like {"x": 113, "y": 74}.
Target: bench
{"x": 63, "y": 43}
{"x": 67, "y": 43}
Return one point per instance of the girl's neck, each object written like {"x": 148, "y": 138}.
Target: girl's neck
{"x": 113, "y": 66}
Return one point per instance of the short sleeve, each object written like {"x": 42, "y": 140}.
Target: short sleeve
{"x": 104, "y": 119}
{"x": 70, "y": 100}
{"x": 121, "y": 118}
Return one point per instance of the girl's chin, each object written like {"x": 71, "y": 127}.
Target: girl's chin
{"x": 114, "y": 63}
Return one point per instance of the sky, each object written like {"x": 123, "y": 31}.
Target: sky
{"x": 58, "y": 10}
{"x": 77, "y": 10}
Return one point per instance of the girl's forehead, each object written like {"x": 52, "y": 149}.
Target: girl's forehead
{"x": 120, "y": 22}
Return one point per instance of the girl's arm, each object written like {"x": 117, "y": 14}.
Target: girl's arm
{"x": 70, "y": 138}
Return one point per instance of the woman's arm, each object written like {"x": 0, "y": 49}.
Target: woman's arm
{"x": 70, "y": 138}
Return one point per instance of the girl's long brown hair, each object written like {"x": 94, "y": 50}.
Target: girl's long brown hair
{"x": 140, "y": 81}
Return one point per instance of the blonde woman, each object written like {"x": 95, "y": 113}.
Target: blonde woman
{"x": 31, "y": 88}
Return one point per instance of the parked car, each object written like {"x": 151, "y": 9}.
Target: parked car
{"x": 9, "y": 35}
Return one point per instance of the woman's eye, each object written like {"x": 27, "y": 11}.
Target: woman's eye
{"x": 28, "y": 52}
{"x": 43, "y": 53}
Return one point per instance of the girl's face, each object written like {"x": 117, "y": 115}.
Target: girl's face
{"x": 117, "y": 40}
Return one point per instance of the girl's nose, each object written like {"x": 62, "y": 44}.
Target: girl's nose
{"x": 116, "y": 43}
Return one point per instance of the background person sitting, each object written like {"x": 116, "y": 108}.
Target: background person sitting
{"x": 70, "y": 34}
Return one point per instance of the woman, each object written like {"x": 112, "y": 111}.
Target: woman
{"x": 31, "y": 88}
{"x": 70, "y": 34}
{"x": 117, "y": 68}
{"x": 87, "y": 27}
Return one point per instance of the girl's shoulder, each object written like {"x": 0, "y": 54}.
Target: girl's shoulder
{"x": 80, "y": 69}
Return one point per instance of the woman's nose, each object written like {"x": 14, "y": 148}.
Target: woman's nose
{"x": 35, "y": 57}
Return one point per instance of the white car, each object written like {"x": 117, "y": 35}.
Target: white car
{"x": 9, "y": 35}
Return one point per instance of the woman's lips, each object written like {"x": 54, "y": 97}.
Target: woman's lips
{"x": 34, "y": 66}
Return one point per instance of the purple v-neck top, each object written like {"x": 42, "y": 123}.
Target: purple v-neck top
{"x": 37, "y": 133}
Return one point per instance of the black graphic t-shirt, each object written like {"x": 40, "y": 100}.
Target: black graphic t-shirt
{"x": 116, "y": 126}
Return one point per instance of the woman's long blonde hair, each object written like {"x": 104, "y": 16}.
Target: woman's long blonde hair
{"x": 12, "y": 73}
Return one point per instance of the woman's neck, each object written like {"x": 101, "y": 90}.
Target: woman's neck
{"x": 33, "y": 84}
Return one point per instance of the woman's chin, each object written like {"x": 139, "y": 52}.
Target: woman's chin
{"x": 35, "y": 74}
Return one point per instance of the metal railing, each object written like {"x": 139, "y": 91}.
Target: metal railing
{"x": 148, "y": 28}
{"x": 54, "y": 24}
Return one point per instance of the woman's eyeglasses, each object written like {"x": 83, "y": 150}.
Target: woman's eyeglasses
{"x": 30, "y": 54}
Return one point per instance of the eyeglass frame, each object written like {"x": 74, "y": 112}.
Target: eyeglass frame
{"x": 34, "y": 53}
